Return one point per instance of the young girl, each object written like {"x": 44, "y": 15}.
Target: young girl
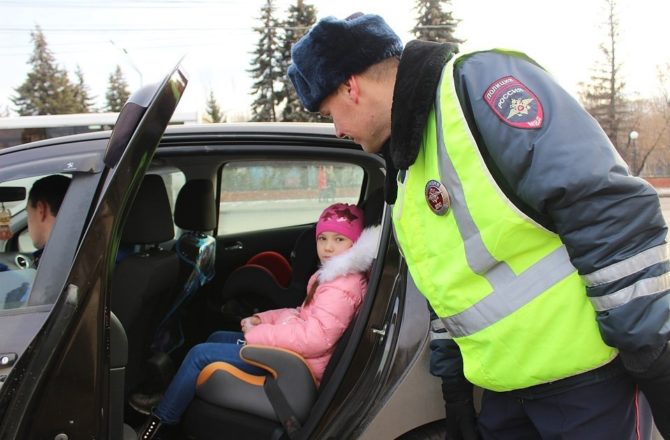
{"x": 334, "y": 294}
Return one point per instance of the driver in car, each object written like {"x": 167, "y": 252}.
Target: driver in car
{"x": 44, "y": 200}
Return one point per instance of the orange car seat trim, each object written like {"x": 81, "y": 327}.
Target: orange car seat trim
{"x": 212, "y": 368}
{"x": 265, "y": 367}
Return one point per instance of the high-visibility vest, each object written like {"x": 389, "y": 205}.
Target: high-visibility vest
{"x": 502, "y": 284}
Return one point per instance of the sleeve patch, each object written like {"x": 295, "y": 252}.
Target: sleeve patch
{"x": 514, "y": 103}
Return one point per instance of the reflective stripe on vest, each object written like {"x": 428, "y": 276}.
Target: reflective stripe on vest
{"x": 502, "y": 284}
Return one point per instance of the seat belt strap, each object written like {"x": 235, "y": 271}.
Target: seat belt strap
{"x": 281, "y": 406}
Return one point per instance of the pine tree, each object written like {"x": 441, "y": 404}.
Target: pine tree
{"x": 435, "y": 22}
{"x": 213, "y": 110}
{"x": 265, "y": 70}
{"x": 300, "y": 19}
{"x": 82, "y": 96}
{"x": 117, "y": 91}
{"x": 47, "y": 89}
{"x": 603, "y": 97}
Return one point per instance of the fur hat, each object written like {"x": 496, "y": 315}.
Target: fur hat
{"x": 334, "y": 49}
{"x": 341, "y": 218}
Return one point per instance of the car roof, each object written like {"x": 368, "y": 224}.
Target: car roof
{"x": 248, "y": 131}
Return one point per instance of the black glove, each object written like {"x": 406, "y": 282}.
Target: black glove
{"x": 654, "y": 382}
{"x": 461, "y": 421}
{"x": 461, "y": 416}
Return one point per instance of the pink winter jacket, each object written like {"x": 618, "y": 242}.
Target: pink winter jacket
{"x": 313, "y": 330}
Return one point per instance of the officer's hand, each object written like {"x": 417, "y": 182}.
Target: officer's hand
{"x": 654, "y": 382}
{"x": 461, "y": 421}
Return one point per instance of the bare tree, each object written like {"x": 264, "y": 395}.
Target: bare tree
{"x": 603, "y": 96}
{"x": 652, "y": 149}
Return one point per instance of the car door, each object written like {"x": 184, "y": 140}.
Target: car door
{"x": 60, "y": 385}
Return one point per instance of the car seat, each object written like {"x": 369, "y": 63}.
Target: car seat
{"x": 256, "y": 407}
{"x": 195, "y": 215}
{"x": 146, "y": 275}
{"x": 268, "y": 281}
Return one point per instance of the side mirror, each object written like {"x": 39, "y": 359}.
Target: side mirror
{"x": 12, "y": 193}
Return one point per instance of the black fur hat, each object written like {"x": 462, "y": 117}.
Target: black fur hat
{"x": 335, "y": 49}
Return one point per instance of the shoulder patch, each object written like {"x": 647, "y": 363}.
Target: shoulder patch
{"x": 514, "y": 103}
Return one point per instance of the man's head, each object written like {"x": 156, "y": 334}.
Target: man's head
{"x": 44, "y": 200}
{"x": 346, "y": 69}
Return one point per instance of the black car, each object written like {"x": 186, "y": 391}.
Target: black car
{"x": 117, "y": 299}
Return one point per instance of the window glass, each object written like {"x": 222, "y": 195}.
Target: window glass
{"x": 18, "y": 259}
{"x": 18, "y": 215}
{"x": 17, "y": 206}
{"x": 173, "y": 181}
{"x": 265, "y": 195}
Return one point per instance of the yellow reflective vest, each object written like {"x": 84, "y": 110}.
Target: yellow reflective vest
{"x": 502, "y": 284}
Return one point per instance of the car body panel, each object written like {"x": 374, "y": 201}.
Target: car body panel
{"x": 60, "y": 384}
{"x": 385, "y": 355}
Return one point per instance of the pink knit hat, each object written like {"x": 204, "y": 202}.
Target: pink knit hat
{"x": 342, "y": 218}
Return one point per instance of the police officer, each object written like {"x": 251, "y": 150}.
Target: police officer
{"x": 544, "y": 258}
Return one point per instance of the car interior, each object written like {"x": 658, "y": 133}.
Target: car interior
{"x": 216, "y": 233}
{"x": 254, "y": 269}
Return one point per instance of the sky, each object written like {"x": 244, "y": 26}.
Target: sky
{"x": 215, "y": 39}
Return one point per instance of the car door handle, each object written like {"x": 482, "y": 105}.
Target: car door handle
{"x": 237, "y": 246}
{"x": 379, "y": 331}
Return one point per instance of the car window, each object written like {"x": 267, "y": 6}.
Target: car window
{"x": 173, "y": 181}
{"x": 17, "y": 206}
{"x": 24, "y": 242}
{"x": 18, "y": 257}
{"x": 265, "y": 195}
{"x": 18, "y": 214}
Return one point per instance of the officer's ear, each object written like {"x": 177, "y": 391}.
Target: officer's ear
{"x": 353, "y": 88}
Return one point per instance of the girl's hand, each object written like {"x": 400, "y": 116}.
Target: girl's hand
{"x": 248, "y": 323}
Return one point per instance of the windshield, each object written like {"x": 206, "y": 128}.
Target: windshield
{"x": 17, "y": 207}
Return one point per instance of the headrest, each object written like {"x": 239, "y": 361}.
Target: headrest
{"x": 150, "y": 217}
{"x": 195, "y": 209}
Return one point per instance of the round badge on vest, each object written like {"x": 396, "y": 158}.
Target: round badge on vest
{"x": 437, "y": 197}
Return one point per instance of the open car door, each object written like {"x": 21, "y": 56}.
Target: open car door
{"x": 60, "y": 386}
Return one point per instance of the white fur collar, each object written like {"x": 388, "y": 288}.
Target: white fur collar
{"x": 356, "y": 259}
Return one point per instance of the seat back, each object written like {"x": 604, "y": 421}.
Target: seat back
{"x": 146, "y": 276}
{"x": 195, "y": 215}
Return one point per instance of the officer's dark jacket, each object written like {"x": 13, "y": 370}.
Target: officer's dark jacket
{"x": 565, "y": 175}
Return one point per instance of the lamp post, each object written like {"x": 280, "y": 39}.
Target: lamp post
{"x": 130, "y": 60}
{"x": 632, "y": 137}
